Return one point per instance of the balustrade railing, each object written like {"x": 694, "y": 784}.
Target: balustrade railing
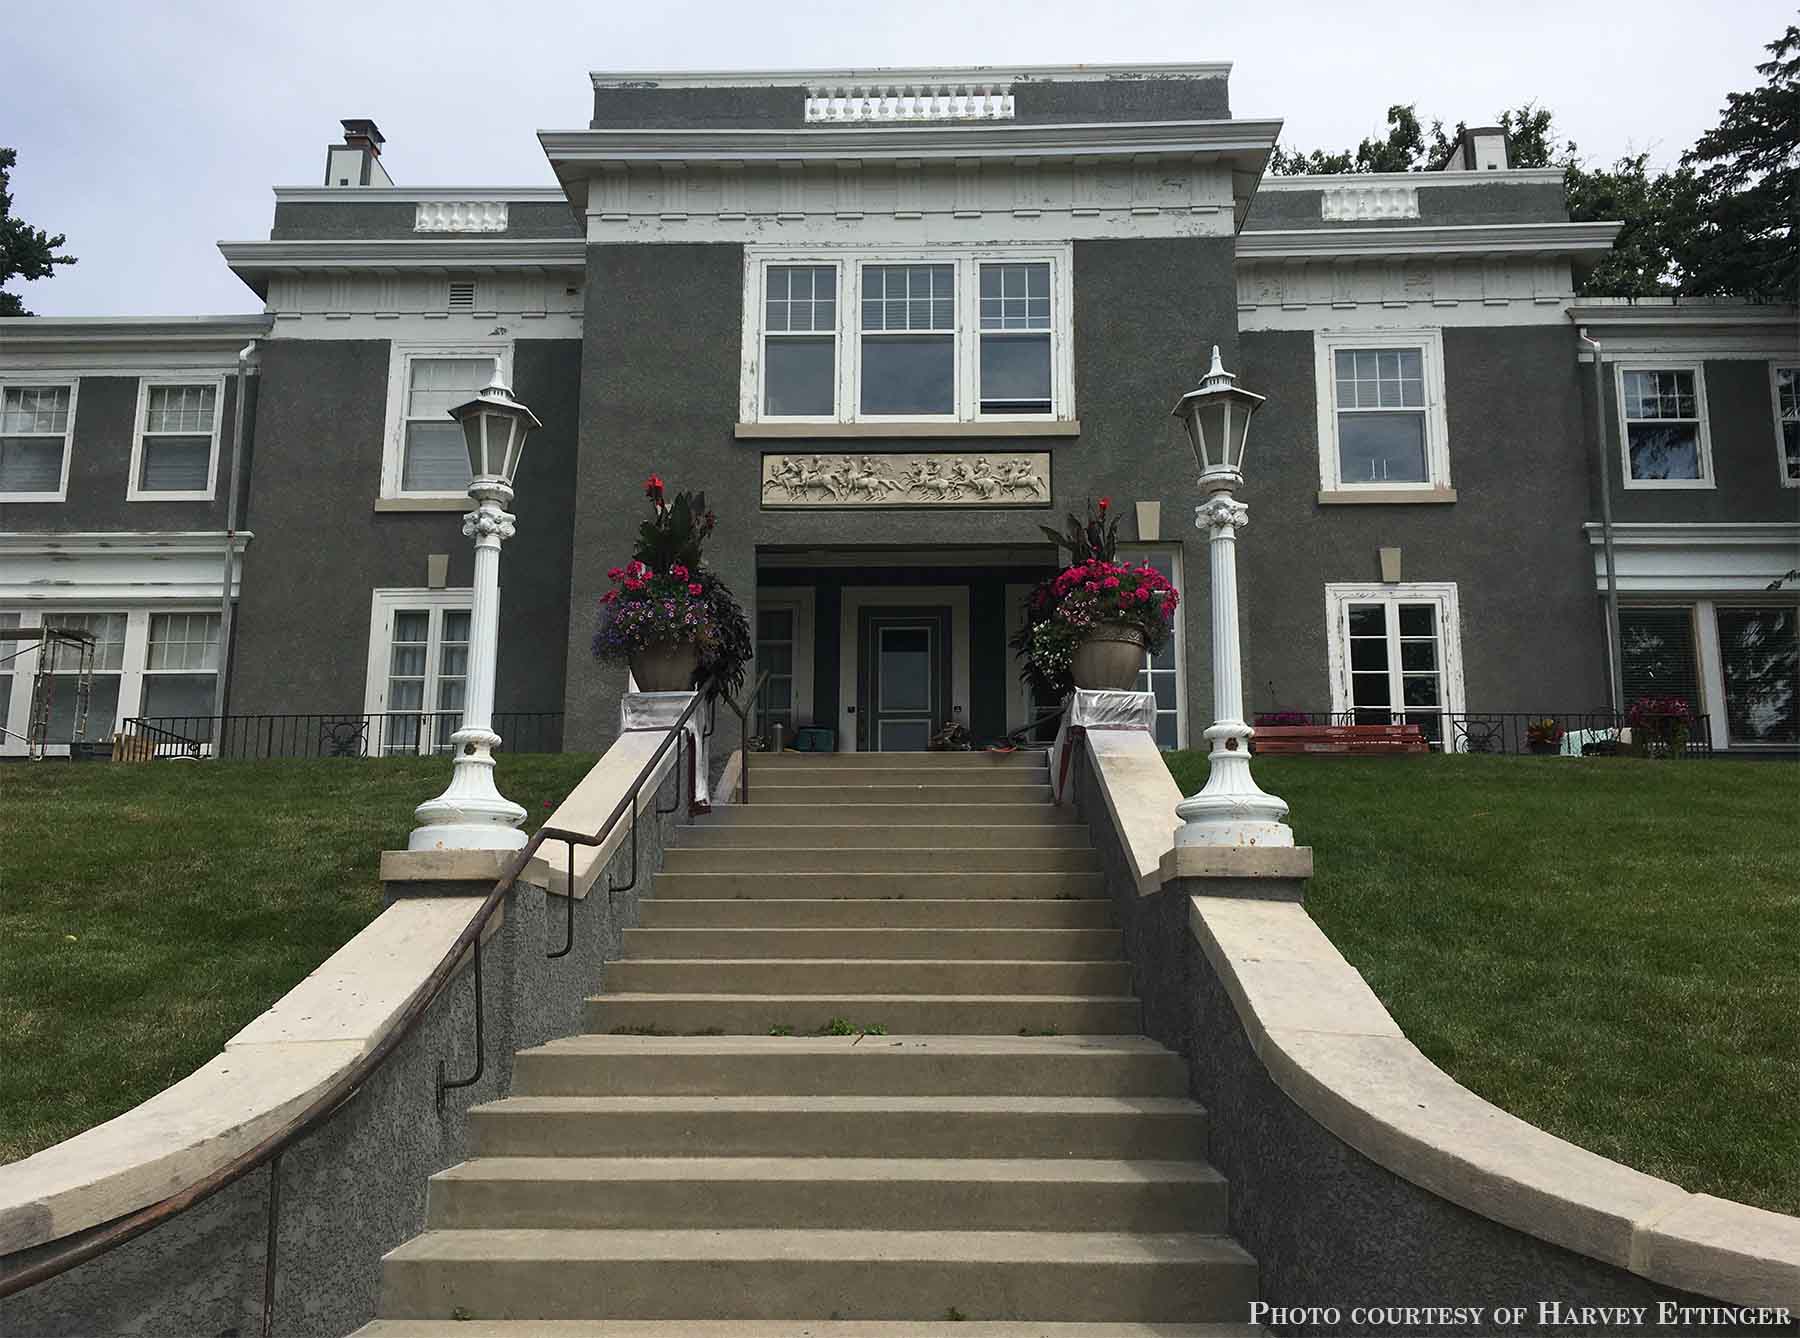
{"x": 891, "y": 102}
{"x": 331, "y": 734}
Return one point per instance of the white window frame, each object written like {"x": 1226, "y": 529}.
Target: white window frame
{"x": 1698, "y": 370}
{"x": 383, "y": 605}
{"x": 400, "y": 360}
{"x": 1776, "y": 367}
{"x": 134, "y": 492}
{"x": 1177, "y": 632}
{"x": 848, "y": 263}
{"x": 799, "y": 599}
{"x": 1339, "y": 597}
{"x": 1430, "y": 343}
{"x": 25, "y": 380}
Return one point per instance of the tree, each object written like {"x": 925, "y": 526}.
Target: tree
{"x": 25, "y": 252}
{"x": 1408, "y": 147}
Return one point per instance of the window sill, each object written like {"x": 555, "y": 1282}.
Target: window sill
{"x": 423, "y": 504}
{"x": 11, "y": 497}
{"x": 1668, "y": 485}
{"x": 1059, "y": 427}
{"x": 1386, "y": 496}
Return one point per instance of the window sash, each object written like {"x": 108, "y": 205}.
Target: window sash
{"x": 1663, "y": 438}
{"x": 424, "y": 454}
{"x": 1399, "y": 661}
{"x": 418, "y": 669}
{"x": 1787, "y": 421}
{"x": 35, "y": 419}
{"x": 1366, "y": 381}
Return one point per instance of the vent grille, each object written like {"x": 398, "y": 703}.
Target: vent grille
{"x": 462, "y": 295}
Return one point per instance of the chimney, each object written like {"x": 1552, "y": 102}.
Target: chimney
{"x": 357, "y": 161}
{"x": 1480, "y": 148}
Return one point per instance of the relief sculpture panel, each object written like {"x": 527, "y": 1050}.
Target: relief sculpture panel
{"x": 1017, "y": 478}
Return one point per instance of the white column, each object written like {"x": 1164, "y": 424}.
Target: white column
{"x": 471, "y": 814}
{"x": 1230, "y": 809}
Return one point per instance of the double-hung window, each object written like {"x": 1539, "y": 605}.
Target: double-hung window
{"x": 418, "y": 669}
{"x": 175, "y": 452}
{"x": 1662, "y": 417}
{"x": 1786, "y": 391}
{"x": 1396, "y": 655}
{"x": 1382, "y": 425}
{"x": 424, "y": 455}
{"x": 947, "y": 335}
{"x": 181, "y": 672}
{"x": 36, "y": 422}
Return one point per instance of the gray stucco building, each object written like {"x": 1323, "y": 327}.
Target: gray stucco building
{"x": 891, "y": 322}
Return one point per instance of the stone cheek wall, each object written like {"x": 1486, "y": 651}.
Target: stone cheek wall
{"x": 1330, "y": 1229}
{"x": 356, "y": 1188}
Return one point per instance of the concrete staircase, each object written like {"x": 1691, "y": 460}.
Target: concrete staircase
{"x": 992, "y": 1142}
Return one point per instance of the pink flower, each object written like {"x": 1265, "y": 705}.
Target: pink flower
{"x": 696, "y": 589}
{"x": 634, "y": 585}
{"x": 1091, "y": 585}
{"x": 1110, "y": 583}
{"x": 679, "y": 572}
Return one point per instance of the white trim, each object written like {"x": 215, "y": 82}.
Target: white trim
{"x": 1018, "y": 694}
{"x": 24, "y": 380}
{"x": 800, "y": 599}
{"x": 1706, "y": 481}
{"x": 1513, "y": 176}
{"x": 400, "y": 359}
{"x": 419, "y": 194}
{"x": 124, "y": 345}
{"x": 1430, "y": 343}
{"x": 858, "y": 597}
{"x": 1339, "y": 597}
{"x": 134, "y": 492}
{"x": 1712, "y": 559}
{"x": 383, "y": 604}
{"x": 1178, "y": 633}
{"x": 849, "y": 262}
{"x": 909, "y": 74}
{"x": 1473, "y": 239}
{"x": 1711, "y": 672}
{"x": 1776, "y": 366}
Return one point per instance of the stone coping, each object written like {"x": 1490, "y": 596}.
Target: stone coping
{"x": 1332, "y": 1047}
{"x": 1140, "y": 798}
{"x": 281, "y": 1061}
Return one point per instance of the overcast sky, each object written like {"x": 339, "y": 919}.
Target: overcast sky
{"x": 148, "y": 130}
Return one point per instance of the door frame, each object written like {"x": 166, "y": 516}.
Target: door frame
{"x": 858, "y": 597}
{"x": 871, "y": 623}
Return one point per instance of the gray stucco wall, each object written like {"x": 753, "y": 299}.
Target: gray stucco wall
{"x": 357, "y": 219}
{"x": 356, "y": 1188}
{"x": 660, "y": 393}
{"x": 1512, "y": 542}
{"x": 303, "y": 610}
{"x": 100, "y": 469}
{"x": 1746, "y": 458}
{"x": 1439, "y": 205}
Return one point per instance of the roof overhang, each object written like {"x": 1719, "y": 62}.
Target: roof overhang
{"x": 254, "y": 262}
{"x": 47, "y": 341}
{"x": 1703, "y": 327}
{"x": 908, "y": 75}
{"x": 1573, "y": 240}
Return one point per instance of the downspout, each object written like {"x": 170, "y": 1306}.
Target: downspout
{"x": 1614, "y": 654}
{"x": 247, "y": 352}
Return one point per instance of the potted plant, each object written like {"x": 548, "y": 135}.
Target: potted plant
{"x": 1544, "y": 734}
{"x": 1091, "y": 624}
{"x": 1660, "y": 726}
{"x": 668, "y": 614}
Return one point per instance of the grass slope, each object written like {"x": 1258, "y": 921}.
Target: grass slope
{"x": 1608, "y": 948}
{"x": 148, "y": 912}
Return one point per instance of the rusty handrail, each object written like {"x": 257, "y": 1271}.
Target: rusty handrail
{"x": 99, "y": 1240}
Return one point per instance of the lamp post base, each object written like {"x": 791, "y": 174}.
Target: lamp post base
{"x": 1231, "y": 809}
{"x": 470, "y": 814}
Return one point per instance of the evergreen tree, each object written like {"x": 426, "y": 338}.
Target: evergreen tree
{"x": 25, "y": 252}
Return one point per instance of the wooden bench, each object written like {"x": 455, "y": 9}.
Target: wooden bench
{"x": 1365, "y": 740}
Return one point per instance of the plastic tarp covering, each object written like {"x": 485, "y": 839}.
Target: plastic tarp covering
{"x": 1098, "y": 708}
{"x": 660, "y": 711}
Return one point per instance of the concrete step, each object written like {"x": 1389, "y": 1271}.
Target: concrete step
{"x": 828, "y": 975}
{"x": 849, "y": 1274}
{"x": 605, "y": 1065}
{"x": 899, "y": 836}
{"x": 787, "y": 1328}
{"x": 1124, "y": 1128}
{"x": 835, "y": 794}
{"x": 1013, "y": 945}
{"x": 909, "y": 1014}
{"x": 736, "y": 912}
{"x": 1024, "y": 757}
{"x": 1057, "y": 855}
{"x": 822, "y": 773}
{"x": 827, "y": 1193}
{"x": 952, "y": 813}
{"x": 929, "y": 886}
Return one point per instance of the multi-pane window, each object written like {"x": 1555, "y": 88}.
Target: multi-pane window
{"x": 1759, "y": 656}
{"x": 1787, "y": 422}
{"x": 1161, "y": 672}
{"x": 1015, "y": 369}
{"x": 9, "y": 656}
{"x": 1382, "y": 423}
{"x": 947, "y": 334}
{"x": 64, "y": 684}
{"x": 433, "y": 456}
{"x": 423, "y": 667}
{"x": 1396, "y": 656}
{"x": 175, "y": 448}
{"x": 908, "y": 340}
{"x": 800, "y": 341}
{"x": 1664, "y": 416}
{"x": 1657, "y": 654}
{"x": 775, "y": 636}
{"x": 35, "y": 423}
{"x": 181, "y": 673}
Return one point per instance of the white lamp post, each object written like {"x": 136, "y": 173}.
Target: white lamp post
{"x": 471, "y": 814}
{"x": 1230, "y": 810}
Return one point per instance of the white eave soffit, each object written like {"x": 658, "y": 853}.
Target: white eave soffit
{"x": 1478, "y": 239}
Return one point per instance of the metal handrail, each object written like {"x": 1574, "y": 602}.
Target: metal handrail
{"x": 743, "y": 713}
{"x": 101, "y": 1239}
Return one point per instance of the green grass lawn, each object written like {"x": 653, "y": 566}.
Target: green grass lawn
{"x": 1608, "y": 947}
{"x": 148, "y": 912}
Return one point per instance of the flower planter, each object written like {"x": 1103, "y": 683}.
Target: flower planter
{"x": 1110, "y": 657}
{"x": 1544, "y": 748}
{"x": 666, "y": 666}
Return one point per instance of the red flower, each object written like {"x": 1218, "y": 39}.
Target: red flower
{"x": 634, "y": 585}
{"x": 615, "y": 573}
{"x": 696, "y": 588}
{"x": 1110, "y": 583}
{"x": 1105, "y": 502}
{"x": 679, "y": 572}
{"x": 653, "y": 488}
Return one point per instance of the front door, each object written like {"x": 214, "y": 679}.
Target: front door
{"x": 903, "y": 683}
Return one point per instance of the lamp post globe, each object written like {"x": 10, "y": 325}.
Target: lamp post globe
{"x": 471, "y": 813}
{"x": 1230, "y": 810}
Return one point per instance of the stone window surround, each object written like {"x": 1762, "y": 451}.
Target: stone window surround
{"x": 1437, "y": 485}
{"x": 400, "y": 358}
{"x": 1697, "y": 367}
{"x": 22, "y": 380}
{"x": 133, "y": 491}
{"x": 848, "y": 262}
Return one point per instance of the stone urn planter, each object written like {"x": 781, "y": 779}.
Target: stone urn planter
{"x": 666, "y": 666}
{"x": 1110, "y": 657}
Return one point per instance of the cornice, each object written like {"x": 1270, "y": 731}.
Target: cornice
{"x": 1516, "y": 176}
{"x": 253, "y": 261}
{"x": 22, "y": 334}
{"x": 1620, "y": 312}
{"x": 131, "y": 543}
{"x": 417, "y": 194}
{"x": 1676, "y": 534}
{"x": 1492, "y": 239}
{"x": 918, "y": 74}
